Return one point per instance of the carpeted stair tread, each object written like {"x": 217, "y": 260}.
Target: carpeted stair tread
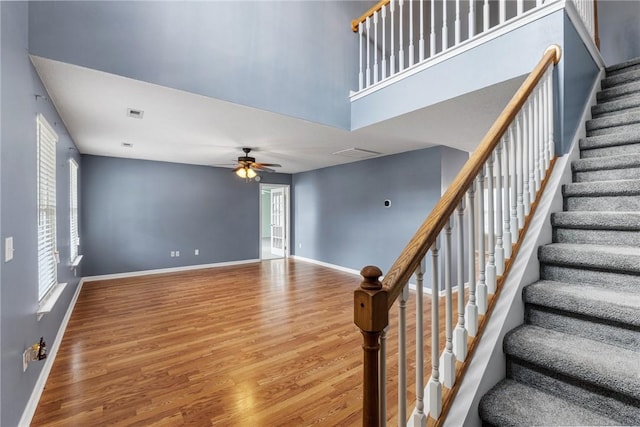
{"x": 622, "y": 67}
{"x": 606, "y": 279}
{"x": 613, "y": 140}
{"x": 597, "y": 220}
{"x": 511, "y": 403}
{"x": 622, "y": 77}
{"x": 624, "y": 259}
{"x": 619, "y": 91}
{"x": 592, "y": 301}
{"x": 621, "y": 118}
{"x": 611, "y": 162}
{"x": 623, "y": 187}
{"x": 600, "y": 365}
{"x": 613, "y": 107}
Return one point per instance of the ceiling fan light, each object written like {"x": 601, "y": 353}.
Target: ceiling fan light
{"x": 242, "y": 173}
{"x": 251, "y": 173}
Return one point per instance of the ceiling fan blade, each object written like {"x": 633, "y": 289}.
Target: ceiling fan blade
{"x": 261, "y": 168}
{"x": 272, "y": 165}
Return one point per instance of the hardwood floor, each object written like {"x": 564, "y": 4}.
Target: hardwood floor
{"x": 264, "y": 344}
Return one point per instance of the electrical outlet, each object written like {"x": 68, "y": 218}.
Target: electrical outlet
{"x": 173, "y": 254}
{"x": 196, "y": 252}
{"x": 300, "y": 245}
{"x": 177, "y": 253}
{"x": 26, "y": 356}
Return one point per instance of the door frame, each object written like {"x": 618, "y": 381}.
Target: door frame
{"x": 287, "y": 216}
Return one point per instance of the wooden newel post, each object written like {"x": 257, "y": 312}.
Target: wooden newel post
{"x": 370, "y": 314}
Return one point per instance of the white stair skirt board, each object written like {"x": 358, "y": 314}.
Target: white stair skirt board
{"x": 487, "y": 366}
{"x": 167, "y": 270}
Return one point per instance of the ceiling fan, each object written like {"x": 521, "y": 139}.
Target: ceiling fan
{"x": 247, "y": 165}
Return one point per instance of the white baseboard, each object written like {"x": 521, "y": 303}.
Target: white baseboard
{"x": 166, "y": 270}
{"x": 326, "y": 264}
{"x": 32, "y": 404}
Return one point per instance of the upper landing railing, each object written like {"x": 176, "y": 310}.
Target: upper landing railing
{"x": 398, "y": 34}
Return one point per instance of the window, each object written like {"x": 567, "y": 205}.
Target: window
{"x": 47, "y": 252}
{"x": 74, "y": 240}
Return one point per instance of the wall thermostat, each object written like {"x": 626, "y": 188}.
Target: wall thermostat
{"x": 387, "y": 203}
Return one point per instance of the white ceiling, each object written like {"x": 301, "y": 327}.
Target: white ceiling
{"x": 183, "y": 127}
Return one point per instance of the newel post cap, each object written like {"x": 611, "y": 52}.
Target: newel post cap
{"x": 371, "y": 275}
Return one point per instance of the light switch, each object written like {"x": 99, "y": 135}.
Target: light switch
{"x": 8, "y": 249}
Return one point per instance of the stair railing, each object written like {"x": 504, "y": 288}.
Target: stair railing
{"x": 397, "y": 34}
{"x": 477, "y": 226}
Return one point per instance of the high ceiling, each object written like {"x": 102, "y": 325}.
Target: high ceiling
{"x": 183, "y": 127}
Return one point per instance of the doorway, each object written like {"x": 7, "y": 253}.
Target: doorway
{"x": 274, "y": 221}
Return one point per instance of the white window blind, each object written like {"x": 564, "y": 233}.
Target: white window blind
{"x": 47, "y": 262}
{"x": 74, "y": 240}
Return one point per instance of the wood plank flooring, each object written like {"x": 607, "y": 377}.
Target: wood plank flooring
{"x": 263, "y": 344}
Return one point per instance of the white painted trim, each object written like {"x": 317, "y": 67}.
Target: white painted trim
{"x": 76, "y": 262}
{"x": 326, "y": 264}
{"x": 166, "y": 270}
{"x": 582, "y": 30}
{"x": 32, "y": 404}
{"x": 49, "y": 300}
{"x": 487, "y": 36}
{"x": 488, "y": 359}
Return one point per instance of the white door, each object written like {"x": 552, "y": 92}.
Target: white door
{"x": 278, "y": 221}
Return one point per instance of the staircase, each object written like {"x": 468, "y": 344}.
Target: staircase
{"x": 576, "y": 360}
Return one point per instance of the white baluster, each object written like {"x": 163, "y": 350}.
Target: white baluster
{"x": 491, "y": 238}
{"x": 411, "y": 52}
{"x": 471, "y": 312}
{"x": 361, "y": 74}
{"x": 520, "y": 168}
{"x": 472, "y": 18}
{"x": 384, "y": 41}
{"x": 519, "y": 7}
{"x": 503, "y": 11}
{"x": 499, "y": 209}
{"x": 532, "y": 153}
{"x": 457, "y": 23}
{"x": 368, "y": 26}
{"x": 382, "y": 380}
{"x": 432, "y": 39}
{"x": 402, "y": 356}
{"x": 526, "y": 200}
{"x": 513, "y": 181}
{"x": 485, "y": 15}
{"x": 400, "y": 39}
{"x": 375, "y": 47}
{"x": 506, "y": 231}
{"x": 460, "y": 333}
{"x": 538, "y": 3}
{"x": 445, "y": 28}
{"x": 434, "y": 389}
{"x": 544, "y": 159}
{"x": 536, "y": 141}
{"x": 551, "y": 144}
{"x": 392, "y": 56}
{"x": 448, "y": 358}
{"x": 481, "y": 290}
{"x": 419, "y": 417}
{"x": 421, "y": 43}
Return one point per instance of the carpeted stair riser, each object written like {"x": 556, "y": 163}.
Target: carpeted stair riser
{"x": 606, "y": 168}
{"x": 599, "y": 367}
{"x": 612, "y": 140}
{"x": 614, "y": 107}
{"x": 586, "y": 327}
{"x": 618, "y": 92}
{"x": 620, "y": 195}
{"x": 515, "y": 404}
{"x": 610, "y": 280}
{"x": 607, "y": 175}
{"x": 628, "y": 128}
{"x": 620, "y": 259}
{"x": 601, "y": 237}
{"x": 622, "y": 118}
{"x": 607, "y": 204}
{"x": 615, "y": 150}
{"x": 620, "y": 410}
{"x": 623, "y": 67}
{"x": 629, "y": 221}
{"x": 621, "y": 78}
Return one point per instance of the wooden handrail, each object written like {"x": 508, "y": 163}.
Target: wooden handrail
{"x": 407, "y": 263}
{"x": 376, "y": 7}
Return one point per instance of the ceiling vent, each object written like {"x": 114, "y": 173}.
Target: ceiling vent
{"x": 357, "y": 153}
{"x": 136, "y": 114}
{"x": 127, "y": 145}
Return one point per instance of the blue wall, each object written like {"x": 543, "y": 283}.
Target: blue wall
{"x": 339, "y": 212}
{"x": 19, "y": 281}
{"x": 136, "y": 212}
{"x": 619, "y": 30}
{"x": 292, "y": 57}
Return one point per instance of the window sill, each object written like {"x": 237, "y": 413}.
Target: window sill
{"x": 76, "y": 262}
{"x": 50, "y": 299}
